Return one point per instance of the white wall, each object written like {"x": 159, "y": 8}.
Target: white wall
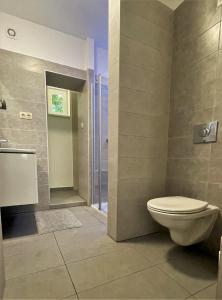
{"x": 89, "y": 57}
{"x": 45, "y": 43}
{"x": 60, "y": 152}
{"x": 101, "y": 61}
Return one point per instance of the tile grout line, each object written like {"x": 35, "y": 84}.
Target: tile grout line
{"x": 109, "y": 281}
{"x": 191, "y": 294}
{"x": 119, "y": 277}
{"x": 157, "y": 265}
{"x": 128, "y": 274}
{"x": 33, "y": 273}
{"x": 66, "y": 266}
{"x": 91, "y": 214}
{"x": 7, "y": 242}
{"x": 202, "y": 30}
{"x": 147, "y": 19}
{"x": 84, "y": 259}
{"x": 189, "y": 297}
{"x": 174, "y": 280}
{"x": 204, "y": 288}
{"x": 53, "y": 267}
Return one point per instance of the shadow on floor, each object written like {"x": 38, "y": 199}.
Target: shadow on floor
{"x": 18, "y": 225}
{"x": 184, "y": 260}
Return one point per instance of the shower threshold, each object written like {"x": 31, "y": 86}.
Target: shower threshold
{"x": 65, "y": 198}
{"x": 104, "y": 207}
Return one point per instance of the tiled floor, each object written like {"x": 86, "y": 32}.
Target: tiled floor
{"x": 85, "y": 263}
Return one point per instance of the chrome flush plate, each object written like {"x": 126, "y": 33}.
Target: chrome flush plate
{"x": 205, "y": 133}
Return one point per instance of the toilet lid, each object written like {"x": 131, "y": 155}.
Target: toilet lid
{"x": 177, "y": 204}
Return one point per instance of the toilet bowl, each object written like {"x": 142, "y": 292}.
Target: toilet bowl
{"x": 189, "y": 220}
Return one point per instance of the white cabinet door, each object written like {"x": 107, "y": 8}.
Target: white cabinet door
{"x": 18, "y": 179}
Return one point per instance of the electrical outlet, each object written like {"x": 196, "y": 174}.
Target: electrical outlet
{"x": 22, "y": 115}
{"x": 29, "y": 116}
{"x": 219, "y": 3}
{"x": 25, "y": 115}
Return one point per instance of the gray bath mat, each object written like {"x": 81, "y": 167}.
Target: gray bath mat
{"x": 55, "y": 220}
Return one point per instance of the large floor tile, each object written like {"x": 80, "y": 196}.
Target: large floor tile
{"x": 191, "y": 268}
{"x": 149, "y": 284}
{"x": 82, "y": 234}
{"x": 32, "y": 254}
{"x": 92, "y": 272}
{"x": 40, "y": 259}
{"x": 154, "y": 247}
{"x": 26, "y": 245}
{"x": 209, "y": 293}
{"x": 150, "y": 267}
{"x": 81, "y": 244}
{"x": 51, "y": 284}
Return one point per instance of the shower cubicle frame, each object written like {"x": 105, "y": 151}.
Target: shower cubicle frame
{"x": 97, "y": 203}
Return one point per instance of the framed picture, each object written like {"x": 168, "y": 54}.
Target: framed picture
{"x": 58, "y": 102}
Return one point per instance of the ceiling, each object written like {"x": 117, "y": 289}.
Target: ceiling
{"x": 82, "y": 18}
{"x": 173, "y": 4}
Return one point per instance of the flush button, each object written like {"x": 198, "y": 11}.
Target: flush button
{"x": 205, "y": 133}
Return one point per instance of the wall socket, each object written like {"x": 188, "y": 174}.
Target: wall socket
{"x": 25, "y": 115}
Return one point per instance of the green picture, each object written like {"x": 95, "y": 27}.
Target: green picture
{"x": 58, "y": 101}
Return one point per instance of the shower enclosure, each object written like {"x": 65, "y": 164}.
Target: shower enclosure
{"x": 100, "y": 145}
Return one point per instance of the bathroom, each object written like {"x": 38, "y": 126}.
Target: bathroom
{"x": 143, "y": 75}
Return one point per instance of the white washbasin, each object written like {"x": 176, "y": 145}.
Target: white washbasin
{"x": 15, "y": 150}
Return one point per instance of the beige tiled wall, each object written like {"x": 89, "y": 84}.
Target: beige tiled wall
{"x": 140, "y": 69}
{"x": 74, "y": 97}
{"x": 84, "y": 139}
{"x": 2, "y": 269}
{"x": 113, "y": 120}
{"x": 22, "y": 85}
{"x": 196, "y": 97}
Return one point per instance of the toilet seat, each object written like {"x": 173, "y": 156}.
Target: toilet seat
{"x": 177, "y": 205}
{"x": 189, "y": 220}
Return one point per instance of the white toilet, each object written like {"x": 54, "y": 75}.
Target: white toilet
{"x": 189, "y": 220}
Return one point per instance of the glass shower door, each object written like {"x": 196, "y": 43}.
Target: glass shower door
{"x": 100, "y": 145}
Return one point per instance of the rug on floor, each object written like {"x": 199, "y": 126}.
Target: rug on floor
{"x": 55, "y": 220}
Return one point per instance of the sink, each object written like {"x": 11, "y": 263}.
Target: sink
{"x": 15, "y": 150}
